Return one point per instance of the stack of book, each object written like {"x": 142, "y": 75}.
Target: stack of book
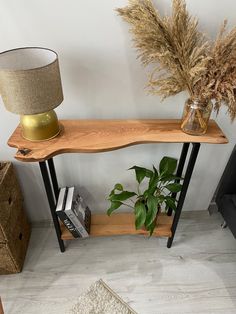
{"x": 73, "y": 212}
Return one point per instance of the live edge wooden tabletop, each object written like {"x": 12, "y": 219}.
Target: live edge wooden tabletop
{"x": 92, "y": 136}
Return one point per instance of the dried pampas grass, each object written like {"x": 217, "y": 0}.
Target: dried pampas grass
{"x": 219, "y": 81}
{"x": 183, "y": 58}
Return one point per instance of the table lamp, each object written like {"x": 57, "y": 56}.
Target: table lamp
{"x": 30, "y": 85}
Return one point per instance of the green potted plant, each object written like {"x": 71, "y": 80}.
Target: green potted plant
{"x": 154, "y": 191}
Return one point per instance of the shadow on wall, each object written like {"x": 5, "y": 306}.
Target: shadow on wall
{"x": 93, "y": 84}
{"x": 96, "y": 174}
{"x": 32, "y": 187}
{"x": 99, "y": 86}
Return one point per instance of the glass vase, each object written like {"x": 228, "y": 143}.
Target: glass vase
{"x": 196, "y": 116}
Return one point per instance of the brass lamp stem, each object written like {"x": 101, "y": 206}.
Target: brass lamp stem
{"x": 40, "y": 127}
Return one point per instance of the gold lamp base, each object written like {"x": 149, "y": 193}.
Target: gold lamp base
{"x": 40, "y": 127}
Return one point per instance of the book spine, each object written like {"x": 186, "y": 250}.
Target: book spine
{"x": 76, "y": 222}
{"x": 87, "y": 219}
{"x": 85, "y": 212}
{"x": 69, "y": 225}
{"x": 60, "y": 199}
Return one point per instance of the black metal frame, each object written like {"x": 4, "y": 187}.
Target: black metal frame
{"x": 52, "y": 189}
{"x": 49, "y": 180}
{"x": 180, "y": 168}
{"x": 186, "y": 181}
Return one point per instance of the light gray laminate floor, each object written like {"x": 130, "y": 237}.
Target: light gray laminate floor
{"x": 197, "y": 275}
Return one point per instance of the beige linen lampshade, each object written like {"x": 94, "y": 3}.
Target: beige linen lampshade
{"x": 30, "y": 84}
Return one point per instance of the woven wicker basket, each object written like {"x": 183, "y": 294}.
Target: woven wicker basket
{"x": 8, "y": 182}
{"x": 13, "y": 250}
{"x": 14, "y": 228}
{"x": 11, "y": 199}
{"x": 9, "y": 214}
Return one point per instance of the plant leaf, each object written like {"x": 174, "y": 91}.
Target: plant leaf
{"x": 140, "y": 214}
{"x": 151, "y": 228}
{"x": 124, "y": 195}
{"x": 155, "y": 169}
{"x": 153, "y": 183}
{"x": 148, "y": 173}
{"x": 141, "y": 173}
{"x": 174, "y": 187}
{"x": 118, "y": 187}
{"x": 170, "y": 202}
{"x": 170, "y": 178}
{"x": 167, "y": 165}
{"x": 113, "y": 206}
{"x": 152, "y": 204}
{"x": 112, "y": 193}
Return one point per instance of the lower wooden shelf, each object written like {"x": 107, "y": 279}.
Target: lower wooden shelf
{"x": 121, "y": 224}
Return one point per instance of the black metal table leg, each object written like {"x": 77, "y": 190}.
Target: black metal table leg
{"x": 52, "y": 205}
{"x": 180, "y": 168}
{"x": 53, "y": 177}
{"x": 183, "y": 192}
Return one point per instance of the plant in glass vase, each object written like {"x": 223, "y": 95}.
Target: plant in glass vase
{"x": 154, "y": 190}
{"x": 184, "y": 60}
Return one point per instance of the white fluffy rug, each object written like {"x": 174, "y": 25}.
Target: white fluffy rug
{"x": 100, "y": 299}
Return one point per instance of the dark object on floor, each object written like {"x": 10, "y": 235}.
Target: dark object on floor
{"x": 14, "y": 227}
{"x": 1, "y": 308}
{"x": 228, "y": 210}
{"x": 226, "y": 193}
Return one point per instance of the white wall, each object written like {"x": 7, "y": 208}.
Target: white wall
{"x": 102, "y": 79}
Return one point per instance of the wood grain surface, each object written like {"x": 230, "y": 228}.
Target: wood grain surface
{"x": 121, "y": 224}
{"x": 92, "y": 136}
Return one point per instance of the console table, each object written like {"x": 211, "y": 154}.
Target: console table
{"x": 94, "y": 136}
